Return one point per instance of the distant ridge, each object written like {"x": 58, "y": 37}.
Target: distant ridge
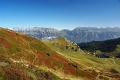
{"x": 77, "y": 35}
{"x": 108, "y": 47}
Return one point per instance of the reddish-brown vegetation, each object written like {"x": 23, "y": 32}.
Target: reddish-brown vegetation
{"x": 16, "y": 73}
{"x": 4, "y": 43}
{"x": 19, "y": 47}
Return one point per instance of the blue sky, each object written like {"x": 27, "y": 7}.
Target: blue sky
{"x": 59, "y": 14}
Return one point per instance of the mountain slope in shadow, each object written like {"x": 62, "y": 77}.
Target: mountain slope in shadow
{"x": 108, "y": 47}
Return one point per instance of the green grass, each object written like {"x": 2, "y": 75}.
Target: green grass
{"x": 117, "y": 61}
{"x": 18, "y": 49}
{"x": 87, "y": 60}
{"x": 25, "y": 53}
{"x": 1, "y": 50}
{"x": 118, "y": 48}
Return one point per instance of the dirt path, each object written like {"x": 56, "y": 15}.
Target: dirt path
{"x": 115, "y": 62}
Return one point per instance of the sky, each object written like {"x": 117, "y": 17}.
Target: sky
{"x": 59, "y": 14}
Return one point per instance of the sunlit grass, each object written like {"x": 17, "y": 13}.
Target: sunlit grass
{"x": 86, "y": 60}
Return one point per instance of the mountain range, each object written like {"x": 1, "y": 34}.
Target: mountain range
{"x": 77, "y": 35}
{"x": 26, "y": 58}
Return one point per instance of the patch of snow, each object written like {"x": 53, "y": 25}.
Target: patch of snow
{"x": 49, "y": 38}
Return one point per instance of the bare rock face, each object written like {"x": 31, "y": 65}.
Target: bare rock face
{"x": 78, "y": 35}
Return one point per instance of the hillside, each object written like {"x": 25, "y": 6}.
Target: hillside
{"x": 88, "y": 62}
{"x": 19, "y": 49}
{"x": 77, "y": 35}
{"x": 26, "y": 58}
{"x": 66, "y": 45}
{"x": 107, "y": 47}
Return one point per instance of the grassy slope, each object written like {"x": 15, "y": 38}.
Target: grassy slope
{"x": 25, "y": 56}
{"x": 22, "y": 49}
{"x": 86, "y": 61}
{"x": 10, "y": 70}
{"x": 26, "y": 50}
{"x": 19, "y": 56}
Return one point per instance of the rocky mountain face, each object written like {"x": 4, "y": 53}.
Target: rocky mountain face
{"x": 78, "y": 35}
{"x": 40, "y": 33}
